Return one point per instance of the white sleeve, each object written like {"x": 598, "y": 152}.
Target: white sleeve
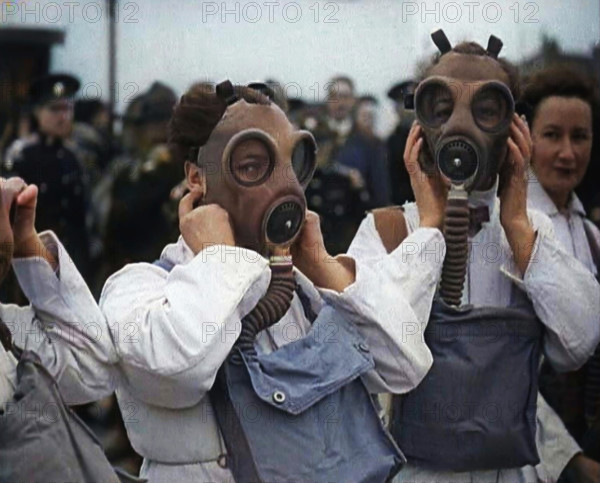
{"x": 565, "y": 296}
{"x": 173, "y": 330}
{"x": 390, "y": 303}
{"x": 8, "y": 377}
{"x": 63, "y": 326}
{"x": 555, "y": 445}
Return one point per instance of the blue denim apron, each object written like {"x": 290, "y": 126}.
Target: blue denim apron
{"x": 42, "y": 439}
{"x": 476, "y": 408}
{"x": 302, "y": 413}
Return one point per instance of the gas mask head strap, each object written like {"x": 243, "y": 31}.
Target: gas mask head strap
{"x": 494, "y": 46}
{"x": 443, "y": 44}
{"x": 441, "y": 41}
{"x": 226, "y": 93}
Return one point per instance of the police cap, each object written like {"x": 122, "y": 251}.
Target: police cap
{"x": 53, "y": 87}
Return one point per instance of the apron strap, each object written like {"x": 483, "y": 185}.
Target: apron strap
{"x": 239, "y": 455}
{"x": 308, "y": 311}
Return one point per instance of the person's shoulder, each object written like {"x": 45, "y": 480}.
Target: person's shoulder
{"x": 18, "y": 150}
{"x": 131, "y": 282}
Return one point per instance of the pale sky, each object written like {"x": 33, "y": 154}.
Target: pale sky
{"x": 299, "y": 43}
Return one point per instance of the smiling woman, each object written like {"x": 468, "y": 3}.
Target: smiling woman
{"x": 564, "y": 104}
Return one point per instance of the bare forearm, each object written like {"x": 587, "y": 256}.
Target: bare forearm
{"x": 335, "y": 273}
{"x": 521, "y": 238}
{"x": 33, "y": 246}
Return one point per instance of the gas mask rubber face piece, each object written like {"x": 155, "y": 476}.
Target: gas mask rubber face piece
{"x": 465, "y": 110}
{"x": 257, "y": 166}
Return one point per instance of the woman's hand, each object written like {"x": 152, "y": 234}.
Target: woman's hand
{"x": 311, "y": 258}
{"x": 430, "y": 191}
{"x": 513, "y": 197}
{"x": 205, "y": 225}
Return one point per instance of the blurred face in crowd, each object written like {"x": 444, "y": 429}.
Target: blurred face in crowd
{"x": 101, "y": 120}
{"x": 152, "y": 134}
{"x": 365, "y": 117}
{"x": 55, "y": 118}
{"x": 340, "y": 100}
{"x": 562, "y": 136}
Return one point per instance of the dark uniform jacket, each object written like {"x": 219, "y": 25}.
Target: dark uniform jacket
{"x": 62, "y": 201}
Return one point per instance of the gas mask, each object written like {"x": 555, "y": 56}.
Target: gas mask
{"x": 257, "y": 166}
{"x": 466, "y": 126}
{"x": 465, "y": 112}
{"x": 465, "y": 121}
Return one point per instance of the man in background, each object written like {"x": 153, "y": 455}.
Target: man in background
{"x": 336, "y": 192}
{"x": 401, "y": 191}
{"x": 47, "y": 158}
{"x": 365, "y": 152}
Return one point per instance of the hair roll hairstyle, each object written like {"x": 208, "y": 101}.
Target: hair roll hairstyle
{"x": 561, "y": 80}
{"x": 197, "y": 114}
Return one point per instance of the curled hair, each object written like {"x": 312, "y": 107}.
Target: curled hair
{"x": 197, "y": 114}
{"x": 473, "y": 48}
{"x": 561, "y": 80}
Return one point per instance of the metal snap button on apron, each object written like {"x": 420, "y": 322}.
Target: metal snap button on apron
{"x": 279, "y": 397}
{"x": 363, "y": 347}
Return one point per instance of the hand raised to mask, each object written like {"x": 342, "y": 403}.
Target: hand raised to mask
{"x": 27, "y": 242}
{"x": 430, "y": 191}
{"x": 311, "y": 258}
{"x": 205, "y": 225}
{"x": 513, "y": 196}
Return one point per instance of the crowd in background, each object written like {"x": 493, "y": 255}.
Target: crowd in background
{"x": 114, "y": 199}
{"x": 135, "y": 172}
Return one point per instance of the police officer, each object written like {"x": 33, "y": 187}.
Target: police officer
{"x": 399, "y": 178}
{"x": 46, "y": 158}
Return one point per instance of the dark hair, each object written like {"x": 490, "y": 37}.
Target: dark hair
{"x": 561, "y": 80}
{"x": 366, "y": 99}
{"x": 473, "y": 48}
{"x": 341, "y": 78}
{"x": 197, "y": 114}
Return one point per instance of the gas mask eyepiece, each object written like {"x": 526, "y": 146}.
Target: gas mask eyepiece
{"x": 492, "y": 107}
{"x": 265, "y": 167}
